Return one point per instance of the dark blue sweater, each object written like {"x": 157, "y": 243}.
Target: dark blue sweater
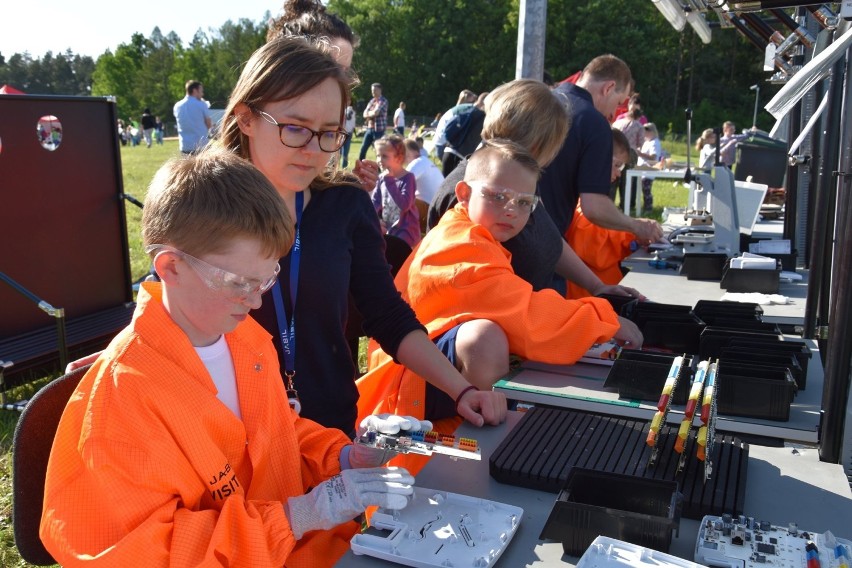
{"x": 343, "y": 251}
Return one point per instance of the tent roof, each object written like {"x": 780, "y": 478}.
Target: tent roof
{"x": 10, "y": 90}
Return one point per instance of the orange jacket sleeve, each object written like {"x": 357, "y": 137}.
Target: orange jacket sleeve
{"x": 149, "y": 468}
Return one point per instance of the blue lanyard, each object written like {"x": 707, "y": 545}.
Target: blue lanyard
{"x": 287, "y": 331}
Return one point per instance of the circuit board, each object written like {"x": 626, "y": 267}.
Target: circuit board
{"x": 422, "y": 443}
{"x": 743, "y": 542}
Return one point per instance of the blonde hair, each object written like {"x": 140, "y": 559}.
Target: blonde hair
{"x": 284, "y": 68}
{"x": 200, "y": 203}
{"x": 527, "y": 112}
{"x": 479, "y": 163}
{"x": 704, "y": 138}
{"x": 652, "y": 128}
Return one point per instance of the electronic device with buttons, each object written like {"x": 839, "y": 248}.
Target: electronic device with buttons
{"x": 745, "y": 542}
{"x": 422, "y": 443}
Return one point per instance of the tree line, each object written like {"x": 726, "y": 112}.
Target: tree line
{"x": 425, "y": 52}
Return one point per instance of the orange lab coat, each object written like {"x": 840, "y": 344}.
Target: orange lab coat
{"x": 149, "y": 468}
{"x": 459, "y": 273}
{"x": 601, "y": 249}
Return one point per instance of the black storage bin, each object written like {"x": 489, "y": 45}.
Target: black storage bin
{"x": 703, "y": 265}
{"x": 751, "y": 280}
{"x": 799, "y": 350}
{"x": 767, "y": 358}
{"x": 634, "y": 509}
{"x": 713, "y": 339}
{"x": 710, "y": 310}
{"x": 640, "y": 375}
{"x": 754, "y": 391}
{"x": 763, "y": 159}
{"x": 669, "y": 326}
{"x": 623, "y": 305}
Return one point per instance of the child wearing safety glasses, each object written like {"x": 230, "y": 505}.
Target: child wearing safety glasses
{"x": 178, "y": 446}
{"x": 460, "y": 282}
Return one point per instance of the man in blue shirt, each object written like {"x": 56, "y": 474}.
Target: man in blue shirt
{"x": 193, "y": 118}
{"x": 582, "y": 170}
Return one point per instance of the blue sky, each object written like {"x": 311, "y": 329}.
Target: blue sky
{"x": 90, "y": 27}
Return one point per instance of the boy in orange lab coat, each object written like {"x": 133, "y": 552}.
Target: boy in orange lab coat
{"x": 460, "y": 282}
{"x": 179, "y": 447}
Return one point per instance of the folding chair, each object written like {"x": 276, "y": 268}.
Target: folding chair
{"x": 32, "y": 443}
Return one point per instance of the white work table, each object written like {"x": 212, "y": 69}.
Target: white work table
{"x": 670, "y": 287}
{"x": 784, "y": 485}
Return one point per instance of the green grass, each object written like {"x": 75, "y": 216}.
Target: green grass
{"x": 138, "y": 167}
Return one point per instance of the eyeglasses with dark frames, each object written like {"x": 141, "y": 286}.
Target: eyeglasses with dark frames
{"x": 233, "y": 286}
{"x": 295, "y": 136}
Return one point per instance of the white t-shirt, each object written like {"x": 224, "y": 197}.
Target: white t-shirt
{"x": 398, "y": 118}
{"x": 349, "y": 119}
{"x": 708, "y": 156}
{"x": 653, "y": 146}
{"x": 217, "y": 359}
{"x": 428, "y": 176}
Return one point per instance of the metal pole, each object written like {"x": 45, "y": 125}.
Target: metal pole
{"x": 836, "y": 385}
{"x": 756, "y": 89}
{"x": 532, "y": 23}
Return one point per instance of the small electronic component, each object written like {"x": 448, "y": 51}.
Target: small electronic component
{"x": 602, "y": 353}
{"x": 422, "y": 443}
{"x": 742, "y": 541}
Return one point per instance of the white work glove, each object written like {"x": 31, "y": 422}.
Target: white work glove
{"x": 347, "y": 495}
{"x": 366, "y": 456}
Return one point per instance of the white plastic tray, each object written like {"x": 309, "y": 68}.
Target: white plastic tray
{"x": 606, "y": 552}
{"x": 441, "y": 529}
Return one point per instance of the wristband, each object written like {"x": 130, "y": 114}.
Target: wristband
{"x": 462, "y": 393}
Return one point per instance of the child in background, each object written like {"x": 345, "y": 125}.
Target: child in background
{"x": 394, "y": 194}
{"x": 706, "y": 146}
{"x": 602, "y": 249}
{"x": 461, "y": 284}
{"x": 650, "y": 154}
{"x": 179, "y": 446}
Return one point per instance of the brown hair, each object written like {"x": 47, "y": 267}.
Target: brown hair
{"x": 200, "y": 203}
{"x": 479, "y": 162}
{"x": 412, "y": 145}
{"x": 310, "y": 18}
{"x": 609, "y": 68}
{"x": 620, "y": 142}
{"x": 527, "y": 111}
{"x": 704, "y": 138}
{"x": 395, "y": 142}
{"x": 282, "y": 69}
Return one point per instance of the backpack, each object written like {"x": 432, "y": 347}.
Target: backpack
{"x": 458, "y": 126}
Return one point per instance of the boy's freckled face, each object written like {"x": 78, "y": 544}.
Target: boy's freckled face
{"x": 205, "y": 313}
{"x": 502, "y": 223}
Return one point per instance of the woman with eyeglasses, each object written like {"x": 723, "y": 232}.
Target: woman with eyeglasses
{"x": 285, "y": 115}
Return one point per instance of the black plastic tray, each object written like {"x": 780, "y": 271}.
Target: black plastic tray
{"x": 639, "y": 375}
{"x": 755, "y": 391}
{"x": 629, "y": 508}
{"x": 703, "y": 265}
{"x": 713, "y": 339}
{"x": 766, "y": 358}
{"x": 751, "y": 280}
